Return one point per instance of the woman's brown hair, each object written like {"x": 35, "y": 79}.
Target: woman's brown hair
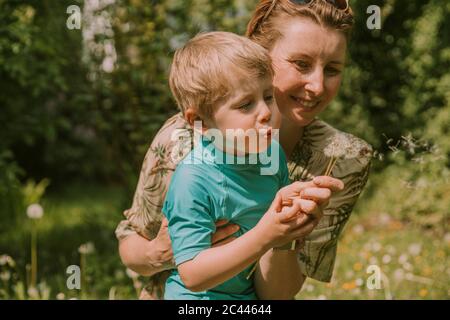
{"x": 262, "y": 27}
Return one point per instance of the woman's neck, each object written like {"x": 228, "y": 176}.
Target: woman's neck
{"x": 290, "y": 134}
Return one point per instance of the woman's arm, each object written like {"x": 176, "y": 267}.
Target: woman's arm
{"x": 278, "y": 276}
{"x": 148, "y": 257}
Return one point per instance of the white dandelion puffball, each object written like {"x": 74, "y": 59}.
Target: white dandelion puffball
{"x": 35, "y": 211}
{"x": 86, "y": 248}
{"x": 337, "y": 146}
{"x": 346, "y": 146}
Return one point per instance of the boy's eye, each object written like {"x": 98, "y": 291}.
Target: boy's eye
{"x": 302, "y": 64}
{"x": 245, "y": 106}
{"x": 268, "y": 98}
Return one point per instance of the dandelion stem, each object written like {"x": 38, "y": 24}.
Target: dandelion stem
{"x": 251, "y": 271}
{"x": 33, "y": 255}
{"x": 330, "y": 166}
{"x": 82, "y": 267}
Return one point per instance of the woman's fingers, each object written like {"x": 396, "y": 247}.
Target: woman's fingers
{"x": 319, "y": 195}
{"x": 329, "y": 182}
{"x": 223, "y": 232}
{"x": 289, "y": 213}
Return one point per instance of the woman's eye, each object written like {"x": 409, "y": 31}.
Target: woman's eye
{"x": 332, "y": 71}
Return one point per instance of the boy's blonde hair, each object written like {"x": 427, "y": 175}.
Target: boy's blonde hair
{"x": 204, "y": 69}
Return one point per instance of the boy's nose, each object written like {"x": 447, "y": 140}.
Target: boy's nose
{"x": 265, "y": 113}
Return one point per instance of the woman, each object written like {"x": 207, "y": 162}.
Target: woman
{"x": 307, "y": 41}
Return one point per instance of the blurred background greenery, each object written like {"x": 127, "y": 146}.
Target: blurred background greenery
{"x": 79, "y": 108}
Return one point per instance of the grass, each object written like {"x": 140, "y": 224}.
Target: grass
{"x": 413, "y": 260}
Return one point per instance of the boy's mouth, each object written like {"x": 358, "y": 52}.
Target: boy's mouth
{"x": 266, "y": 132}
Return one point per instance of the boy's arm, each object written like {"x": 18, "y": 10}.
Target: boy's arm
{"x": 214, "y": 266}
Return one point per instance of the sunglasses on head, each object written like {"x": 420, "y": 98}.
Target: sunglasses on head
{"x": 338, "y": 4}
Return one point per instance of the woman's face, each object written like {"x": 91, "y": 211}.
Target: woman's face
{"x": 308, "y": 61}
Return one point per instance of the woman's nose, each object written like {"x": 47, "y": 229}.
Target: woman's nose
{"x": 314, "y": 84}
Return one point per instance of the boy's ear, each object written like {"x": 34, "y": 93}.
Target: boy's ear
{"x": 191, "y": 115}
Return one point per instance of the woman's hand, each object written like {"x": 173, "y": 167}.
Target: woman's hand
{"x": 148, "y": 257}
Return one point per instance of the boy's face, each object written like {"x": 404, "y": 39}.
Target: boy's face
{"x": 249, "y": 113}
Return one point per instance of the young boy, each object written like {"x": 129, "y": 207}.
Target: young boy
{"x": 225, "y": 81}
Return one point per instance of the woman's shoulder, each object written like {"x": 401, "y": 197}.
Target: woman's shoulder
{"x": 173, "y": 126}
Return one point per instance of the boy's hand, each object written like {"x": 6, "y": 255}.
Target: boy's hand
{"x": 297, "y": 209}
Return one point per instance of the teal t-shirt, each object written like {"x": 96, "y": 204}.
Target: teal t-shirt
{"x": 206, "y": 188}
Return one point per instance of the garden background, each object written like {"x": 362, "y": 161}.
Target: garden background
{"x": 79, "y": 108}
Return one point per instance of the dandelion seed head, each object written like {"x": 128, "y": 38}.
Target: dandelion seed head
{"x": 86, "y": 248}
{"x": 310, "y": 288}
{"x": 359, "y": 282}
{"x": 447, "y": 237}
{"x": 33, "y": 292}
{"x": 390, "y": 249}
{"x": 403, "y": 259}
{"x": 60, "y": 296}
{"x": 337, "y": 146}
{"x": 322, "y": 297}
{"x": 386, "y": 259}
{"x": 407, "y": 266}
{"x": 415, "y": 249}
{"x": 5, "y": 275}
{"x": 373, "y": 260}
{"x": 376, "y": 246}
{"x": 358, "y": 229}
{"x": 35, "y": 211}
{"x": 7, "y": 260}
{"x": 346, "y": 146}
{"x": 399, "y": 274}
